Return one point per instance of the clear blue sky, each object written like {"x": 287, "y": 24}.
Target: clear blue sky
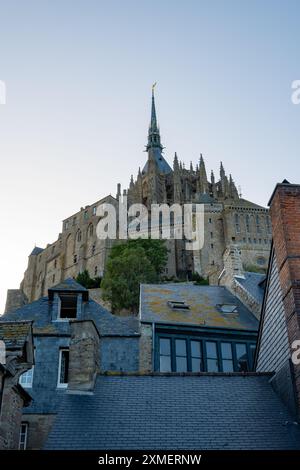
{"x": 79, "y": 75}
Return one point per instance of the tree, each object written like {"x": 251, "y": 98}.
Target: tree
{"x": 126, "y": 269}
{"x": 86, "y": 281}
{"x": 155, "y": 250}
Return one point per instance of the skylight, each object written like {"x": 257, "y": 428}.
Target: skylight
{"x": 228, "y": 308}
{"x": 178, "y": 305}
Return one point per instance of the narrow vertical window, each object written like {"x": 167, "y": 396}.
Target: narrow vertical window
{"x": 242, "y": 358}
{"x": 212, "y": 356}
{"x": 268, "y": 224}
{"x": 165, "y": 355}
{"x": 196, "y": 356}
{"x": 227, "y": 361}
{"x": 63, "y": 368}
{"x": 257, "y": 224}
{"x": 248, "y": 223}
{"x": 181, "y": 355}
{"x": 237, "y": 223}
{"x": 23, "y": 436}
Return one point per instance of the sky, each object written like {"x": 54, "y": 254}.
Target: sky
{"x": 78, "y": 78}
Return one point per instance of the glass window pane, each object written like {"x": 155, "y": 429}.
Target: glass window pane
{"x": 211, "y": 349}
{"x": 241, "y": 351}
{"x": 242, "y": 358}
{"x": 180, "y": 347}
{"x": 195, "y": 348}
{"x": 165, "y": 364}
{"x": 164, "y": 346}
{"x": 227, "y": 365}
{"x": 226, "y": 350}
{"x": 196, "y": 364}
{"x": 212, "y": 365}
{"x": 181, "y": 364}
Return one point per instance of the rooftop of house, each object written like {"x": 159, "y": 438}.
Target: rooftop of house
{"x": 15, "y": 333}
{"x": 254, "y": 284}
{"x": 40, "y": 312}
{"x": 183, "y": 411}
{"x": 186, "y": 303}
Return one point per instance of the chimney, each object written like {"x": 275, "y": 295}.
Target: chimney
{"x": 285, "y": 216}
{"x": 233, "y": 265}
{"x": 84, "y": 356}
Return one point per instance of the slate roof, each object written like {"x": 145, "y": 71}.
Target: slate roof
{"x": 15, "y": 334}
{"x": 176, "y": 412}
{"x": 68, "y": 285}
{"x": 36, "y": 251}
{"x": 40, "y": 313}
{"x": 162, "y": 165}
{"x": 251, "y": 283}
{"x": 242, "y": 203}
{"x": 203, "y": 301}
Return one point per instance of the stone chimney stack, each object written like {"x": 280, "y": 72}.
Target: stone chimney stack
{"x": 285, "y": 216}
{"x": 233, "y": 265}
{"x": 84, "y": 356}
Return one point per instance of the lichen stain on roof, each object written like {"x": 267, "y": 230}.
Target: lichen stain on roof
{"x": 202, "y": 301}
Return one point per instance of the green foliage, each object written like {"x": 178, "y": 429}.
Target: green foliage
{"x": 155, "y": 250}
{"x": 86, "y": 281}
{"x": 199, "y": 280}
{"x": 126, "y": 269}
{"x": 254, "y": 269}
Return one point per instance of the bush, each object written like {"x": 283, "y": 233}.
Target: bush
{"x": 86, "y": 281}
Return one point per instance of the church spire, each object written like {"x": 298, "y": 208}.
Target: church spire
{"x": 153, "y": 133}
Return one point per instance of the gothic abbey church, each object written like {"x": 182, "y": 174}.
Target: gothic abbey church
{"x": 229, "y": 219}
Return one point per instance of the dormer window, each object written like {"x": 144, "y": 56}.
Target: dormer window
{"x": 68, "y": 306}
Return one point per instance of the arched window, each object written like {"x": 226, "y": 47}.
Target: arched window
{"x": 96, "y": 270}
{"x": 79, "y": 236}
{"x": 237, "y": 223}
{"x": 248, "y": 223}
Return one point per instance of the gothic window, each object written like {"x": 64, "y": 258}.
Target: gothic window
{"x": 93, "y": 249}
{"x": 66, "y": 225}
{"x": 63, "y": 368}
{"x": 94, "y": 210}
{"x": 237, "y": 223}
{"x": 74, "y": 220}
{"x": 86, "y": 215}
{"x": 248, "y": 223}
{"x": 79, "y": 236}
{"x": 75, "y": 259}
{"x": 257, "y": 224}
{"x": 55, "y": 264}
{"x": 53, "y": 279}
{"x": 96, "y": 271}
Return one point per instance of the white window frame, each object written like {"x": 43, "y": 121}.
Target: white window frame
{"x": 59, "y": 384}
{"x": 25, "y": 434}
{"x": 26, "y": 384}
